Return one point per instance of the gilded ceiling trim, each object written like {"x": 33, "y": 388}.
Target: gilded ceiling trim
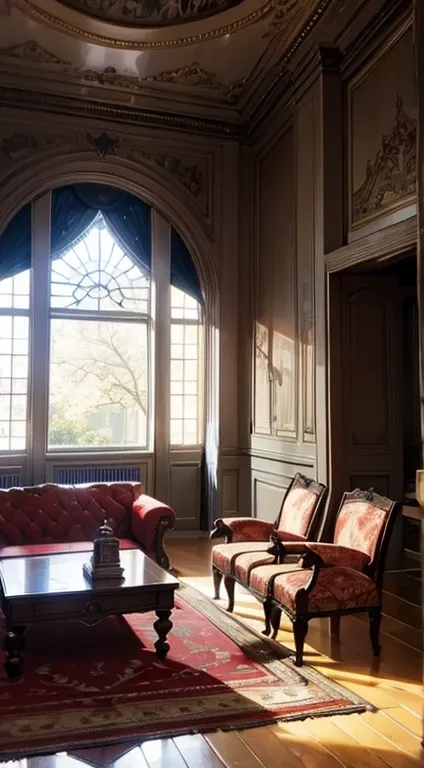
{"x": 130, "y": 115}
{"x": 42, "y": 16}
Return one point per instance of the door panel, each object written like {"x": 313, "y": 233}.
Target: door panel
{"x": 372, "y": 383}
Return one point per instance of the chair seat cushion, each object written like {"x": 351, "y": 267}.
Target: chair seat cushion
{"x": 243, "y": 564}
{"x": 225, "y": 555}
{"x": 260, "y": 578}
{"x": 336, "y": 589}
{"x": 26, "y": 550}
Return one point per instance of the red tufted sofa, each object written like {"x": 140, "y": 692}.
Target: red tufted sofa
{"x": 49, "y": 518}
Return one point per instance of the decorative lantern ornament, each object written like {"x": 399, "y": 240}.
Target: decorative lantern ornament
{"x": 104, "y": 562}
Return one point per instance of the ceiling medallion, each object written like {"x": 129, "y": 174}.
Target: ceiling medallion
{"x": 150, "y": 13}
{"x": 36, "y": 12}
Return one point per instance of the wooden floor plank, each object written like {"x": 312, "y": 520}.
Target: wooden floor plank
{"x": 232, "y": 750}
{"x": 376, "y": 743}
{"x": 385, "y": 726}
{"x": 162, "y": 753}
{"x": 269, "y": 749}
{"x": 196, "y": 752}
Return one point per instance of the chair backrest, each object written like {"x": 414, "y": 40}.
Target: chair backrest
{"x": 300, "y": 509}
{"x": 365, "y": 522}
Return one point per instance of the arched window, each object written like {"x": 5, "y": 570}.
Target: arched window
{"x": 81, "y": 332}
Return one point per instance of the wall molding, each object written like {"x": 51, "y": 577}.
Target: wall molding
{"x": 380, "y": 246}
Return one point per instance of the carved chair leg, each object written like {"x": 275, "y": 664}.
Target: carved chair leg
{"x": 275, "y": 620}
{"x": 229, "y": 586}
{"x": 217, "y": 578}
{"x": 300, "y": 630}
{"x": 267, "y": 614}
{"x": 335, "y": 627}
{"x": 375, "y": 621}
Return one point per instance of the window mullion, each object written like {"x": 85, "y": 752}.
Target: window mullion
{"x": 39, "y": 334}
{"x": 161, "y": 276}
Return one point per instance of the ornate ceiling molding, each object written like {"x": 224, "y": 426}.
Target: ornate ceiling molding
{"x": 50, "y": 102}
{"x": 32, "y": 51}
{"x": 39, "y": 14}
{"x": 188, "y": 76}
{"x": 150, "y": 13}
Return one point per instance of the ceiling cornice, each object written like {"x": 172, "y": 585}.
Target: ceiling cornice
{"x": 16, "y": 97}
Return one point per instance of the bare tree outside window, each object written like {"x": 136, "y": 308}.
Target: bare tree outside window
{"x": 99, "y": 355}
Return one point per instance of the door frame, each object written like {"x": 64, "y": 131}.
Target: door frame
{"x": 379, "y": 248}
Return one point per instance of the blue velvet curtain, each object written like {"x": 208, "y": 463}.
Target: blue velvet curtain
{"x": 74, "y": 209}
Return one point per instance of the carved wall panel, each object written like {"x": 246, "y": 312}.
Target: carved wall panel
{"x": 275, "y": 398}
{"x": 305, "y": 180}
{"x": 382, "y": 116}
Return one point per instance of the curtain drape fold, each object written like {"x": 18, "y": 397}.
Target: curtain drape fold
{"x": 74, "y": 209}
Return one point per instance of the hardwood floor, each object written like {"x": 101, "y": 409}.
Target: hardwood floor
{"x": 389, "y": 738}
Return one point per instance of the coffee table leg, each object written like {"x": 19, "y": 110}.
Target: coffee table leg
{"x": 14, "y": 641}
{"x": 163, "y": 625}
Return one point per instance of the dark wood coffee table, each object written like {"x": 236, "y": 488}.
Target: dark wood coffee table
{"x": 53, "y": 588}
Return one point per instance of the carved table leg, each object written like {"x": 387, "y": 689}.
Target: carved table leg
{"x": 163, "y": 625}
{"x": 14, "y": 641}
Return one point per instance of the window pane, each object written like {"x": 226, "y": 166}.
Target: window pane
{"x": 13, "y": 381}
{"x": 96, "y": 274}
{"x": 98, "y": 384}
{"x": 186, "y": 379}
{"x": 14, "y": 291}
{"x": 183, "y": 306}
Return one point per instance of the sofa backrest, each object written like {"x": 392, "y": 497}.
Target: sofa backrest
{"x": 51, "y": 513}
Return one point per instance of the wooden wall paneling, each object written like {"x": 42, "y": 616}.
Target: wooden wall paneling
{"x": 284, "y": 391}
{"x": 305, "y": 241}
{"x": 184, "y": 492}
{"x": 230, "y": 492}
{"x": 267, "y": 174}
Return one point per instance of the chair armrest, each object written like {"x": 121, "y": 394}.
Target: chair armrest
{"x": 327, "y": 555}
{"x": 285, "y": 550}
{"x": 242, "y": 529}
{"x": 150, "y": 519}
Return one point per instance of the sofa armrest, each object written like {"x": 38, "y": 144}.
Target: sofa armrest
{"x": 150, "y": 519}
{"x": 242, "y": 529}
{"x": 334, "y": 555}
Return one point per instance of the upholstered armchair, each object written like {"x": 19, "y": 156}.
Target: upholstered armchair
{"x": 247, "y": 539}
{"x": 330, "y": 580}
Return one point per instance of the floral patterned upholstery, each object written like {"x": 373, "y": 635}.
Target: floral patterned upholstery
{"x": 224, "y": 556}
{"x": 260, "y": 578}
{"x": 360, "y": 525}
{"x": 336, "y": 589}
{"x": 248, "y": 528}
{"x": 243, "y": 564}
{"x": 333, "y": 554}
{"x": 296, "y": 514}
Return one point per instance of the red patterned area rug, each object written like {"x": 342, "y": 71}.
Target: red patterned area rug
{"x": 99, "y": 685}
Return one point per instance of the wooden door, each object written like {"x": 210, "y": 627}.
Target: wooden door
{"x": 371, "y": 384}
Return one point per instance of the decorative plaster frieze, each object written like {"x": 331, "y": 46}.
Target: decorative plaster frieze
{"x": 189, "y": 76}
{"x": 192, "y": 173}
{"x": 32, "y": 51}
